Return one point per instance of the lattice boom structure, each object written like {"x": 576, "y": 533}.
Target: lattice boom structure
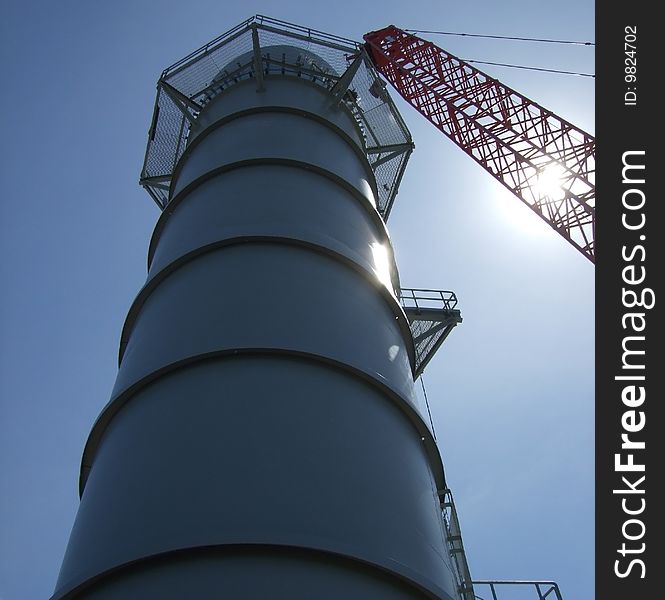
{"x": 516, "y": 140}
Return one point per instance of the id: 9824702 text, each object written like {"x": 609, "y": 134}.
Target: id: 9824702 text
{"x": 630, "y": 65}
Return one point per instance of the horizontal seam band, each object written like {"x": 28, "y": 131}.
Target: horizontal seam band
{"x": 274, "y": 109}
{"x": 365, "y": 202}
{"x": 115, "y": 404}
{"x": 393, "y": 568}
{"x": 173, "y": 266}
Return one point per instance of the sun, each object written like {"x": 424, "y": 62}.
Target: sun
{"x": 549, "y": 182}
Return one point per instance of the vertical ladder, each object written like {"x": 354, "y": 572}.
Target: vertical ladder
{"x": 456, "y": 547}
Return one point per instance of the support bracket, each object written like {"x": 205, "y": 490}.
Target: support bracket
{"x": 181, "y": 101}
{"x": 342, "y": 85}
{"x": 258, "y": 61}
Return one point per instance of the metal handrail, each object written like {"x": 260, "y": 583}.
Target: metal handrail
{"x": 552, "y": 588}
{"x": 410, "y": 297}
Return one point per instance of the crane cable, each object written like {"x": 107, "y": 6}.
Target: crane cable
{"x": 431, "y": 422}
{"x": 502, "y": 37}
{"x": 506, "y": 37}
{"x": 484, "y": 62}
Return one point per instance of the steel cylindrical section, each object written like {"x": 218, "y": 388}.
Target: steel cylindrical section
{"x": 310, "y": 99}
{"x": 270, "y": 200}
{"x": 262, "y": 449}
{"x": 276, "y": 135}
{"x": 254, "y": 572}
{"x": 264, "y": 412}
{"x": 268, "y": 296}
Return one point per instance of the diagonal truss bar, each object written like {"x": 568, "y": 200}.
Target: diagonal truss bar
{"x": 182, "y": 101}
{"x": 516, "y": 140}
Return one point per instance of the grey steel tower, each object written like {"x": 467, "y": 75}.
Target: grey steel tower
{"x": 263, "y": 439}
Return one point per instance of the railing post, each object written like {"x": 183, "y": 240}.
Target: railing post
{"x": 493, "y": 591}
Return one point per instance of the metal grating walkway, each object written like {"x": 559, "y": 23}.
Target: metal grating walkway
{"x": 432, "y": 316}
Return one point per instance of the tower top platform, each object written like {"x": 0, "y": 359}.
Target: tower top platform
{"x": 261, "y": 48}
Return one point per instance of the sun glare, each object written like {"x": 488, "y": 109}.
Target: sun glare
{"x": 550, "y": 182}
{"x": 381, "y": 264}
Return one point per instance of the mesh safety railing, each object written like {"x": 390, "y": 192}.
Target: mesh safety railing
{"x": 185, "y": 87}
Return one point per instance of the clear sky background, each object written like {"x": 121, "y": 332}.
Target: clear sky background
{"x": 512, "y": 388}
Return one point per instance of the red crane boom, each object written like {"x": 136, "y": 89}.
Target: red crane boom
{"x": 515, "y": 139}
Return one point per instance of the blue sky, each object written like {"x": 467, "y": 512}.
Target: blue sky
{"x": 511, "y": 391}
